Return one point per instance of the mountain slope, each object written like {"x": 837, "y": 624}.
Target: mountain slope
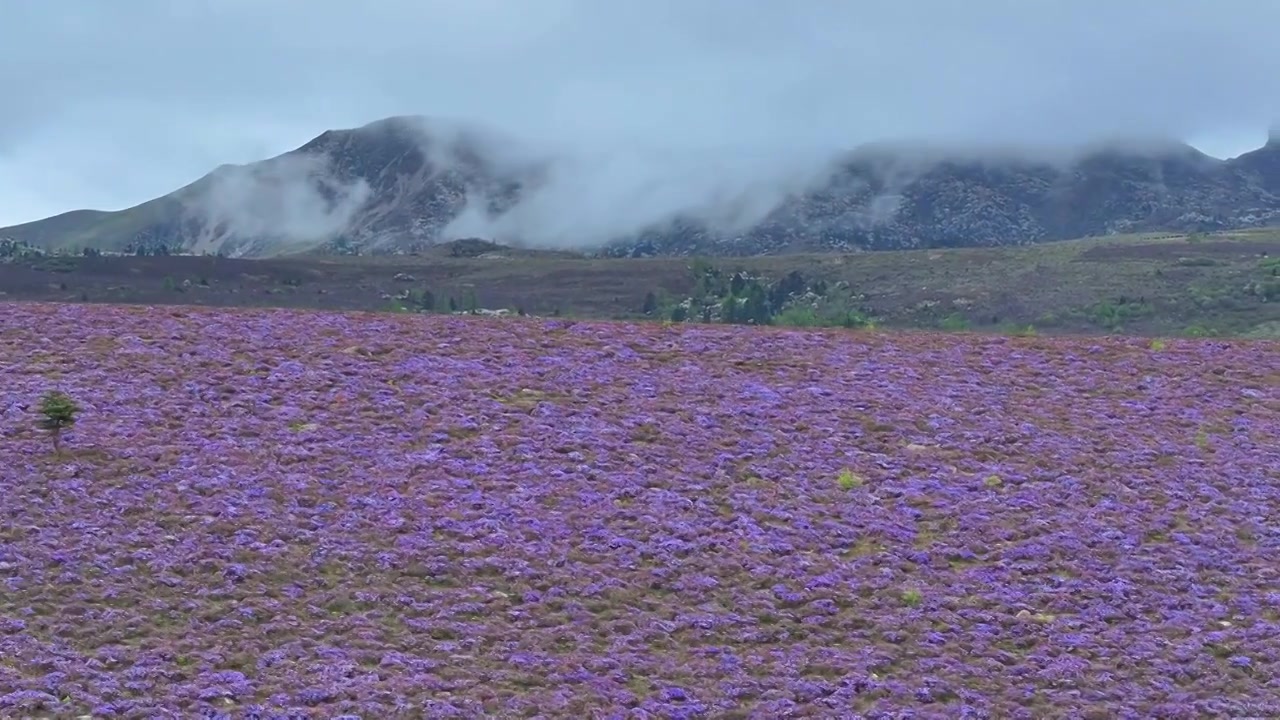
{"x": 975, "y": 202}
{"x": 388, "y": 184}
{"x": 397, "y": 184}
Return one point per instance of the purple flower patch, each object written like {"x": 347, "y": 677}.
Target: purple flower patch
{"x": 302, "y": 514}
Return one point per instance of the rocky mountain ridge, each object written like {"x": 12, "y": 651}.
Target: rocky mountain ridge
{"x": 398, "y": 184}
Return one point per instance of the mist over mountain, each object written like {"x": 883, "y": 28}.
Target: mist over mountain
{"x": 643, "y": 110}
{"x": 406, "y": 182}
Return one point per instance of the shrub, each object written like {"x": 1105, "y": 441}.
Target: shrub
{"x": 848, "y": 479}
{"x": 798, "y": 316}
{"x": 59, "y": 413}
{"x": 1017, "y": 330}
{"x": 955, "y": 322}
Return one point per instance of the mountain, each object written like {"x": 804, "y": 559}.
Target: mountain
{"x": 386, "y": 185}
{"x": 404, "y": 183}
{"x": 1007, "y": 200}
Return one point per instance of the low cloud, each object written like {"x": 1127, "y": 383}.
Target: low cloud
{"x": 293, "y": 197}
{"x": 584, "y": 198}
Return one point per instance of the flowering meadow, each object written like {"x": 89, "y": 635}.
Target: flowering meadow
{"x": 300, "y": 514}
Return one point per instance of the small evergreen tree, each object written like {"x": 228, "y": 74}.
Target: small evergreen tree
{"x": 729, "y": 309}
{"x": 59, "y": 413}
{"x": 755, "y": 309}
{"x": 650, "y": 303}
{"x": 427, "y": 302}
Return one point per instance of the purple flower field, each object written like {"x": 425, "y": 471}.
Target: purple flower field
{"x": 296, "y": 514}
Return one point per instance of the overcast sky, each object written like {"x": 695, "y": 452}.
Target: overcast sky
{"x": 107, "y": 104}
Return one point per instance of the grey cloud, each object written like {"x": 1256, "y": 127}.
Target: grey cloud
{"x": 109, "y": 104}
{"x": 596, "y": 196}
{"x": 295, "y": 197}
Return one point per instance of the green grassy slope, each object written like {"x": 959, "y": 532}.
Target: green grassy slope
{"x": 100, "y": 229}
